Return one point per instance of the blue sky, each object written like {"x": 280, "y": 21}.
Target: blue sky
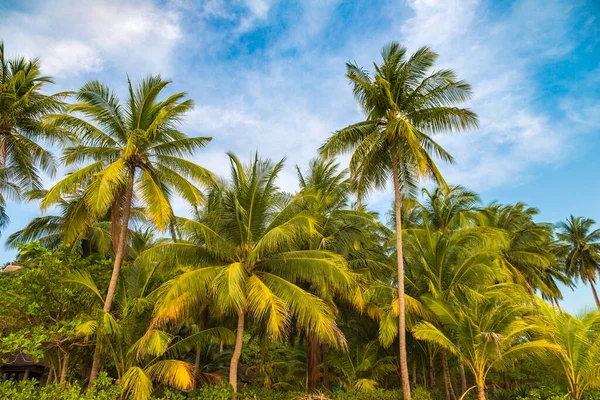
{"x": 269, "y": 75}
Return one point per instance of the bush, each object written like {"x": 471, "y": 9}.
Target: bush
{"x": 103, "y": 389}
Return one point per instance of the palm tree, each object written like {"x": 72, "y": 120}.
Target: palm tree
{"x": 22, "y": 108}
{"x": 135, "y": 151}
{"x": 581, "y": 246}
{"x": 450, "y": 267}
{"x": 352, "y": 232}
{"x": 404, "y": 103}
{"x": 243, "y": 251}
{"x": 483, "y": 333}
{"x": 141, "y": 355}
{"x": 575, "y": 343}
{"x": 74, "y": 227}
{"x": 528, "y": 253}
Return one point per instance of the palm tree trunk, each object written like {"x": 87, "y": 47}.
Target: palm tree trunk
{"x": 196, "y": 366}
{"x": 325, "y": 367}
{"x": 3, "y": 153}
{"x": 237, "y": 352}
{"x": 594, "y": 292}
{"x": 447, "y": 383}
{"x": 65, "y": 366}
{"x": 400, "y": 260}
{"x": 480, "y": 392}
{"x": 414, "y": 373}
{"x": 463, "y": 378}
{"x": 119, "y": 255}
{"x": 430, "y": 373}
{"x": 312, "y": 363}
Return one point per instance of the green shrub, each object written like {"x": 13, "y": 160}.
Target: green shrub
{"x": 103, "y": 389}
{"x": 379, "y": 394}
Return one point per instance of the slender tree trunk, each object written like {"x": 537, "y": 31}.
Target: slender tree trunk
{"x": 447, "y": 383}
{"x": 312, "y": 363}
{"x": 3, "y": 153}
{"x": 325, "y": 367}
{"x": 463, "y": 378}
{"x": 237, "y": 352}
{"x": 197, "y": 366}
{"x": 65, "y": 366}
{"x": 594, "y": 292}
{"x": 119, "y": 255}
{"x": 49, "y": 377}
{"x": 431, "y": 373}
{"x": 400, "y": 260}
{"x": 414, "y": 373}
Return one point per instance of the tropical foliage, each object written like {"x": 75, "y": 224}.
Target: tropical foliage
{"x": 259, "y": 293}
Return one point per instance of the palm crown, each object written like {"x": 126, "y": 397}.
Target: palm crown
{"x": 245, "y": 251}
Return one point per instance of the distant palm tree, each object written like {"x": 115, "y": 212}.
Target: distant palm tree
{"x": 22, "y": 108}
{"x": 581, "y": 248}
{"x": 528, "y": 253}
{"x": 482, "y": 332}
{"x": 244, "y": 251}
{"x": 575, "y": 341}
{"x": 404, "y": 103}
{"x": 135, "y": 151}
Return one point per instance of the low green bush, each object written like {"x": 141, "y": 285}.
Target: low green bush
{"x": 103, "y": 389}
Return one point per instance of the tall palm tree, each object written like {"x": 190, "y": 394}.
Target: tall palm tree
{"x": 243, "y": 251}
{"x": 22, "y": 108}
{"x": 349, "y": 231}
{"x": 405, "y": 103}
{"x": 135, "y": 151}
{"x": 581, "y": 246}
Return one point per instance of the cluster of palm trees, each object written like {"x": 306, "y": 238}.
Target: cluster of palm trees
{"x": 452, "y": 280}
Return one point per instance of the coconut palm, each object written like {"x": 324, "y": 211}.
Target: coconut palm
{"x": 244, "y": 253}
{"x": 352, "y": 232}
{"x": 575, "y": 343}
{"x": 135, "y": 151}
{"x": 405, "y": 104}
{"x": 141, "y": 355}
{"x": 581, "y": 245}
{"x": 450, "y": 267}
{"x": 482, "y": 333}
{"x": 22, "y": 108}
{"x": 528, "y": 253}
{"x": 74, "y": 227}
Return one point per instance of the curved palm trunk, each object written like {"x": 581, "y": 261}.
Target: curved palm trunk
{"x": 447, "y": 382}
{"x": 119, "y": 255}
{"x": 401, "y": 314}
{"x": 593, "y": 286}
{"x": 237, "y": 352}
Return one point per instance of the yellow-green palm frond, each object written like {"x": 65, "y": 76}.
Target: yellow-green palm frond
{"x": 175, "y": 373}
{"x": 137, "y": 384}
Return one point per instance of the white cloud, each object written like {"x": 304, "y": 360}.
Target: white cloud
{"x": 498, "y": 58}
{"x": 74, "y": 37}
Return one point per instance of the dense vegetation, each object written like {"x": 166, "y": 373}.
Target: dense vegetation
{"x": 278, "y": 295}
